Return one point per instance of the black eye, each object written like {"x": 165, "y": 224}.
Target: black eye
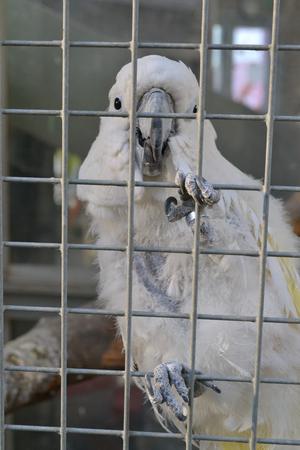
{"x": 195, "y": 110}
{"x": 118, "y": 104}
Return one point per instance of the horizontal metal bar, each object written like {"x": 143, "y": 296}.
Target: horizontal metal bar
{"x": 169, "y": 315}
{"x": 32, "y": 309}
{"x": 38, "y": 428}
{"x": 39, "y": 369}
{"x": 92, "y": 113}
{"x": 246, "y": 47}
{"x": 288, "y": 47}
{"x": 31, "y": 244}
{"x": 95, "y": 431}
{"x": 188, "y": 251}
{"x": 123, "y": 183}
{"x": 170, "y": 45}
{"x": 256, "y": 47}
{"x": 96, "y": 113}
{"x": 50, "y": 180}
{"x": 92, "y": 431}
{"x": 293, "y": 442}
{"x": 150, "y": 184}
{"x": 283, "y": 254}
{"x": 105, "y": 248}
{"x": 141, "y": 115}
{"x": 34, "y": 112}
{"x": 179, "y": 250}
{"x": 211, "y": 116}
{"x": 99, "y": 113}
{"x": 30, "y": 43}
{"x": 286, "y": 118}
{"x": 162, "y": 45}
{"x": 140, "y": 374}
{"x": 148, "y": 434}
{"x": 152, "y": 314}
{"x": 99, "y": 44}
{"x": 251, "y": 117}
{"x": 285, "y": 188}
{"x": 101, "y": 372}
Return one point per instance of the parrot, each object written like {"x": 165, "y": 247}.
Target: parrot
{"x": 166, "y": 150}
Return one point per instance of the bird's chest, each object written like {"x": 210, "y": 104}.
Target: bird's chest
{"x": 162, "y": 280}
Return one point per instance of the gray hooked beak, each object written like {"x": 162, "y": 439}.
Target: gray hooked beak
{"x": 153, "y": 132}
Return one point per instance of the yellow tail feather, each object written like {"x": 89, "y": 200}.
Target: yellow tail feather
{"x": 293, "y": 284}
{"x": 263, "y": 432}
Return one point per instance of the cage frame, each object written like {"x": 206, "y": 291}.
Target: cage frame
{"x": 270, "y": 117}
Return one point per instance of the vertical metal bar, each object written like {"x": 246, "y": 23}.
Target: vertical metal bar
{"x": 264, "y": 238}
{"x": 130, "y": 240}
{"x": 195, "y": 285}
{"x": 2, "y": 440}
{"x": 64, "y": 222}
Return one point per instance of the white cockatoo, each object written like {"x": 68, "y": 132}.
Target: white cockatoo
{"x": 166, "y": 149}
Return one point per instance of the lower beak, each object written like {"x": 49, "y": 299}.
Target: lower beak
{"x": 153, "y": 132}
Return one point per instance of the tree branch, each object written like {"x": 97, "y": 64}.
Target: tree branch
{"x": 91, "y": 344}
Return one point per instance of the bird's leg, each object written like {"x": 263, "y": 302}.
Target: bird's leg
{"x": 159, "y": 387}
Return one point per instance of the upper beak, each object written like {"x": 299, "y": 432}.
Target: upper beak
{"x": 153, "y": 132}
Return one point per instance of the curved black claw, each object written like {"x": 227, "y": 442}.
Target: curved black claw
{"x": 200, "y": 385}
{"x": 174, "y": 212}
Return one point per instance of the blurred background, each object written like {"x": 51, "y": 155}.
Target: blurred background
{"x": 237, "y": 82}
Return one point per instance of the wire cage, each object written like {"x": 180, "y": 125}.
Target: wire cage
{"x": 64, "y": 246}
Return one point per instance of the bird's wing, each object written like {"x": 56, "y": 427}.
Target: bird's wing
{"x": 283, "y": 270}
{"x": 289, "y": 273}
{"x": 286, "y": 278}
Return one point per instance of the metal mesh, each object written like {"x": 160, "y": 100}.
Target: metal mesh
{"x": 269, "y": 118}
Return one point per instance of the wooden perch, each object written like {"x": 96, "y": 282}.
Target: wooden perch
{"x": 91, "y": 344}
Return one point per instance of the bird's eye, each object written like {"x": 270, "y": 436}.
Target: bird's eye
{"x": 118, "y": 103}
{"x": 195, "y": 110}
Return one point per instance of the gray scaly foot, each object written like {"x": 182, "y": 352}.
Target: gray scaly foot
{"x": 165, "y": 375}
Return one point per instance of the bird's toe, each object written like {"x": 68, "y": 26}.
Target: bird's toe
{"x": 159, "y": 388}
{"x": 201, "y": 190}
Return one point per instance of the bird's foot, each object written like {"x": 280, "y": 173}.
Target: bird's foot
{"x": 197, "y": 188}
{"x": 192, "y": 189}
{"x": 165, "y": 375}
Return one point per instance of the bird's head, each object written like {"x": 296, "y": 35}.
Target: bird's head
{"x": 163, "y": 86}
{"x": 163, "y": 145}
